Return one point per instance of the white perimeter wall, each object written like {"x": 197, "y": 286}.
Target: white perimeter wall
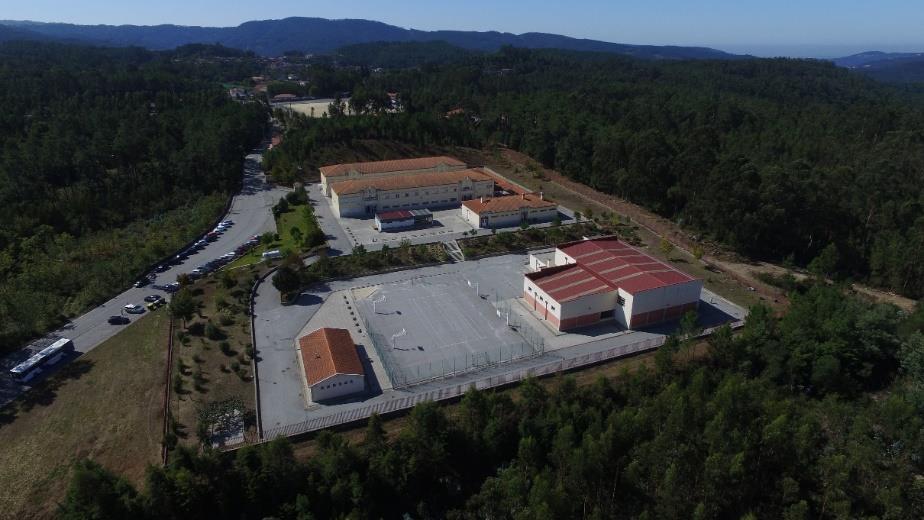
{"x": 336, "y": 386}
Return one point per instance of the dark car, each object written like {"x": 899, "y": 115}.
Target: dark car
{"x": 162, "y": 268}
{"x": 153, "y": 298}
{"x": 142, "y": 282}
{"x": 118, "y": 320}
{"x": 172, "y": 287}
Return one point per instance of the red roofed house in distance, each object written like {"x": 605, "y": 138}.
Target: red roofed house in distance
{"x": 599, "y": 279}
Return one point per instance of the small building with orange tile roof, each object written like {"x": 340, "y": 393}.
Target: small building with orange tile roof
{"x": 330, "y": 364}
{"x": 508, "y": 211}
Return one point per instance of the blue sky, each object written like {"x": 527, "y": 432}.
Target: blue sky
{"x": 770, "y": 27}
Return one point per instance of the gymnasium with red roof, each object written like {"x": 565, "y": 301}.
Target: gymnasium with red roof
{"x": 599, "y": 279}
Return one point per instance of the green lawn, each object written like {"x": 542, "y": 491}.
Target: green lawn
{"x": 106, "y": 405}
{"x": 284, "y": 224}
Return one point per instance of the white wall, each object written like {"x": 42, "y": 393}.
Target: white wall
{"x": 354, "y": 205}
{"x": 665, "y": 297}
{"x": 336, "y": 386}
{"x": 590, "y": 304}
{"x": 541, "y": 297}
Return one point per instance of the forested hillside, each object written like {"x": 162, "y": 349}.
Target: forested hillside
{"x": 782, "y": 159}
{"x": 111, "y": 159}
{"x": 817, "y": 415}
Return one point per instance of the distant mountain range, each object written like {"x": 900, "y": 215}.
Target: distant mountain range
{"x": 894, "y": 67}
{"x": 319, "y": 35}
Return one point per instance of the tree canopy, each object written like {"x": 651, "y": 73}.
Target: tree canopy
{"x": 112, "y": 159}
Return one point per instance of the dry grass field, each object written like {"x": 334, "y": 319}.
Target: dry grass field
{"x": 105, "y": 405}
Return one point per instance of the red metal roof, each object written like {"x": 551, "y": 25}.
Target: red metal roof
{"x": 605, "y": 264}
{"x": 394, "y": 215}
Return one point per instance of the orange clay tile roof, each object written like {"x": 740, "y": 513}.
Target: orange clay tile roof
{"x": 507, "y": 203}
{"x": 418, "y": 180}
{"x": 398, "y": 165}
{"x": 327, "y": 352}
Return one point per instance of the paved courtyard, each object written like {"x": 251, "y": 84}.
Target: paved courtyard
{"x": 431, "y": 327}
{"x": 443, "y": 319}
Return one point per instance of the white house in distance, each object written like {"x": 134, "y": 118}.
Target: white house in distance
{"x": 598, "y": 279}
{"x": 330, "y": 364}
{"x": 365, "y": 197}
{"x": 377, "y": 169}
{"x": 508, "y": 211}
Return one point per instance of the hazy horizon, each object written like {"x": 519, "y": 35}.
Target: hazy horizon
{"x": 825, "y": 29}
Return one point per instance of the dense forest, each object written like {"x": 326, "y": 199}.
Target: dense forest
{"x": 787, "y": 160}
{"x": 112, "y": 158}
{"x": 815, "y": 415}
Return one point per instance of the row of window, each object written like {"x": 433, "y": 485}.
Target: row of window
{"x": 417, "y": 193}
{"x": 530, "y": 289}
{"x": 332, "y": 385}
{"x": 427, "y": 203}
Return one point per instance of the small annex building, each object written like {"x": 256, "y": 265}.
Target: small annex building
{"x": 599, "y": 279}
{"x": 330, "y": 364}
{"x": 403, "y": 219}
{"x": 508, "y": 211}
{"x": 378, "y": 169}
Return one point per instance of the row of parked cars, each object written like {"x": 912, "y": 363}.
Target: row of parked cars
{"x": 153, "y": 302}
{"x": 226, "y": 258}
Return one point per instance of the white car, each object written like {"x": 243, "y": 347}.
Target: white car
{"x": 131, "y": 308}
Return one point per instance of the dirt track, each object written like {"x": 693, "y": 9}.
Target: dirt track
{"x": 743, "y": 272}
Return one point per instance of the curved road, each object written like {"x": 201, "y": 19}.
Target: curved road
{"x": 251, "y": 211}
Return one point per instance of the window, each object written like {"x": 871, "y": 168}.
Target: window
{"x": 620, "y": 301}
{"x": 406, "y": 195}
{"x": 552, "y": 307}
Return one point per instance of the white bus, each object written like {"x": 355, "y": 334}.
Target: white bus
{"x": 48, "y": 356}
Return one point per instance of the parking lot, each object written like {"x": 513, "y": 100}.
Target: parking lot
{"x": 425, "y": 328}
{"x": 343, "y": 234}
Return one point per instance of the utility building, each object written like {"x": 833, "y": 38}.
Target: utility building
{"x": 508, "y": 211}
{"x": 331, "y": 365}
{"x": 379, "y": 169}
{"x": 589, "y": 281}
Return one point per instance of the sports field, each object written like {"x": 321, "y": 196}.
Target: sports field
{"x": 315, "y": 107}
{"x": 431, "y": 327}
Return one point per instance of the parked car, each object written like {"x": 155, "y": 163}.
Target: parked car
{"x": 153, "y": 298}
{"x": 131, "y": 308}
{"x": 162, "y": 268}
{"x": 172, "y": 287}
{"x": 156, "y": 304}
{"x": 142, "y": 282}
{"x": 275, "y": 253}
{"x": 118, "y": 320}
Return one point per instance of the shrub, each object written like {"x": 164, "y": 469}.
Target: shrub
{"x": 226, "y": 348}
{"x": 213, "y": 332}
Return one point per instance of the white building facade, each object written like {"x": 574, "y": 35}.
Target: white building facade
{"x": 604, "y": 279}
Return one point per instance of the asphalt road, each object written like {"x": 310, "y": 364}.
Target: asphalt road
{"x": 251, "y": 212}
